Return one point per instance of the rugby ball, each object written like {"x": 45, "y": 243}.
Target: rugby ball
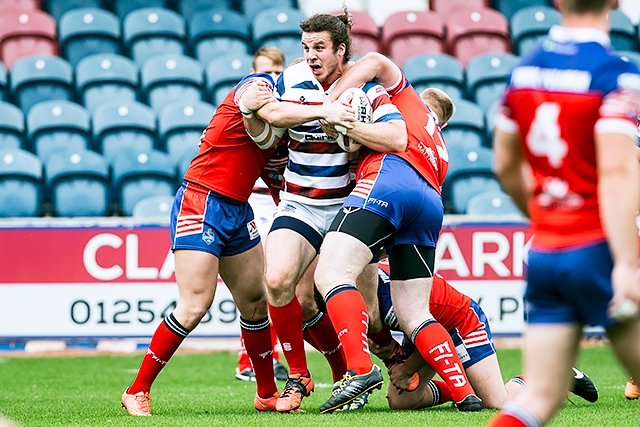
{"x": 364, "y": 113}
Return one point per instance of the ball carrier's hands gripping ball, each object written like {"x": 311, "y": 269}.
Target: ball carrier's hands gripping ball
{"x": 358, "y": 100}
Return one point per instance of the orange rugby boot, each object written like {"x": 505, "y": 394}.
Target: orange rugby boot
{"x": 266, "y": 403}
{"x": 137, "y": 404}
{"x": 297, "y": 387}
{"x": 631, "y": 390}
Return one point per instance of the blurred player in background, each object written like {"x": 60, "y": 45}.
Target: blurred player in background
{"x": 316, "y": 182}
{"x": 396, "y": 205}
{"x": 565, "y": 151}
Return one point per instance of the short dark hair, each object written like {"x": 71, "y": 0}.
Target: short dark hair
{"x": 337, "y": 26}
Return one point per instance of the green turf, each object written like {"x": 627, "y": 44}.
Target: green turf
{"x": 200, "y": 390}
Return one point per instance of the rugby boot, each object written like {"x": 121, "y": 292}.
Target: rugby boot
{"x": 471, "y": 403}
{"x": 583, "y": 386}
{"x": 296, "y": 388}
{"x": 397, "y": 356}
{"x": 631, "y": 391}
{"x": 137, "y": 404}
{"x": 352, "y": 386}
{"x": 356, "y": 403}
{"x": 266, "y": 403}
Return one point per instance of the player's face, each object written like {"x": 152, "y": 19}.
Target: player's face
{"x": 319, "y": 54}
{"x": 265, "y": 65}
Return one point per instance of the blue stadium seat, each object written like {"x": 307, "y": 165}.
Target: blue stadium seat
{"x": 140, "y": 174}
{"x": 55, "y": 125}
{"x": 184, "y": 161}
{"x": 188, "y": 8}
{"x": 250, "y": 8}
{"x": 436, "y": 70}
{"x": 12, "y": 132}
{"x": 623, "y": 33}
{"x": 631, "y": 56}
{"x": 466, "y": 126}
{"x": 119, "y": 125}
{"x": 77, "y": 183}
{"x": 487, "y": 77}
{"x": 21, "y": 192}
{"x": 509, "y": 7}
{"x": 4, "y": 83}
{"x": 101, "y": 78}
{"x": 180, "y": 126}
{"x": 280, "y": 27}
{"x": 87, "y": 31}
{"x": 490, "y": 120}
{"x": 529, "y": 25}
{"x": 123, "y": 8}
{"x": 166, "y": 79}
{"x": 470, "y": 172}
{"x": 494, "y": 202}
{"x": 158, "y": 207}
{"x": 223, "y": 73}
{"x": 152, "y": 31}
{"x": 216, "y": 32}
{"x": 57, "y": 8}
{"x": 40, "y": 78}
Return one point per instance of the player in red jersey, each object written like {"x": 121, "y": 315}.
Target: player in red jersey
{"x": 213, "y": 231}
{"x": 565, "y": 148}
{"x": 396, "y": 204}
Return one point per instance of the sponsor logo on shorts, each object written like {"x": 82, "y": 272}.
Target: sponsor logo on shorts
{"x": 208, "y": 236}
{"x": 378, "y": 202}
{"x": 253, "y": 230}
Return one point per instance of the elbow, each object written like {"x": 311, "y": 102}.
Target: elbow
{"x": 401, "y": 140}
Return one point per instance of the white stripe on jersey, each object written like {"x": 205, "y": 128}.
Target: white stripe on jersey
{"x": 321, "y": 182}
{"x": 312, "y": 159}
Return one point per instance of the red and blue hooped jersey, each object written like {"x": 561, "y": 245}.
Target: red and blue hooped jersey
{"x": 567, "y": 90}
{"x": 229, "y": 162}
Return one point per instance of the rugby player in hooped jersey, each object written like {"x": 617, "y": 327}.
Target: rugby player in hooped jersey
{"x": 397, "y": 205}
{"x": 213, "y": 231}
{"x": 316, "y": 181}
{"x": 568, "y": 125}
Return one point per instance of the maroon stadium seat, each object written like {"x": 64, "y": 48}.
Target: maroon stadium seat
{"x": 20, "y": 4}
{"x": 26, "y": 32}
{"x": 445, "y": 7}
{"x": 364, "y": 33}
{"x": 405, "y": 34}
{"x": 474, "y": 31}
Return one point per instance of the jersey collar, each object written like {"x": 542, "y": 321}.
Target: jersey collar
{"x": 562, "y": 34}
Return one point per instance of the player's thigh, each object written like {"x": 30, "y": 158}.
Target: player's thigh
{"x": 288, "y": 255}
{"x": 197, "y": 278}
{"x": 422, "y": 397}
{"x": 411, "y": 302}
{"x": 244, "y": 276}
{"x": 486, "y": 379}
{"x": 305, "y": 291}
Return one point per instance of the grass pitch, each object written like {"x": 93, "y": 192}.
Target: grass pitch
{"x": 200, "y": 390}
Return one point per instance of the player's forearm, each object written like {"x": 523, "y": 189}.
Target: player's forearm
{"x": 368, "y": 68}
{"x": 384, "y": 137}
{"x": 414, "y": 363}
{"x": 286, "y": 114}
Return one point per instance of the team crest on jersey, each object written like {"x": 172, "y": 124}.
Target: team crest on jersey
{"x": 208, "y": 236}
{"x": 289, "y": 208}
{"x": 253, "y": 230}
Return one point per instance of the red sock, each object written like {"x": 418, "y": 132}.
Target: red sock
{"x": 348, "y": 313}
{"x": 502, "y": 419}
{"x": 382, "y": 337}
{"x": 274, "y": 342}
{"x": 437, "y": 349}
{"x": 441, "y": 393}
{"x": 164, "y": 343}
{"x": 257, "y": 341}
{"x": 288, "y": 323}
{"x": 321, "y": 331}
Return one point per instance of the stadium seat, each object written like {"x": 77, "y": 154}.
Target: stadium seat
{"x": 57, "y": 8}
{"x": 474, "y": 31}
{"x": 465, "y": 128}
{"x": 188, "y": 8}
{"x": 40, "y": 78}
{"x": 623, "y": 33}
{"x": 166, "y": 79}
{"x": 24, "y": 33}
{"x": 446, "y": 7}
{"x": 4, "y": 83}
{"x": 77, "y": 183}
{"x": 530, "y": 25}
{"x": 490, "y": 121}
{"x": 381, "y": 10}
{"x": 140, "y": 174}
{"x": 122, "y": 8}
{"x": 216, "y": 32}
{"x": 510, "y": 7}
{"x": 54, "y": 125}
{"x": 223, "y": 73}
{"x": 152, "y": 31}
{"x": 311, "y": 7}
{"x": 21, "y": 191}
{"x": 280, "y": 27}
{"x": 158, "y": 207}
{"x": 487, "y": 77}
{"x": 494, "y": 202}
{"x": 12, "y": 132}
{"x": 250, "y": 8}
{"x": 631, "y": 8}
{"x": 101, "y": 78}
{"x": 435, "y": 70}
{"x": 184, "y": 161}
{"x": 405, "y": 34}
{"x": 118, "y": 125}
{"x": 365, "y": 34}
{"x": 628, "y": 55}
{"x": 87, "y": 31}
{"x": 19, "y": 4}
{"x": 180, "y": 126}
{"x": 470, "y": 172}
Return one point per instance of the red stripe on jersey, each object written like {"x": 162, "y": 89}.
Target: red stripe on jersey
{"x": 318, "y": 193}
